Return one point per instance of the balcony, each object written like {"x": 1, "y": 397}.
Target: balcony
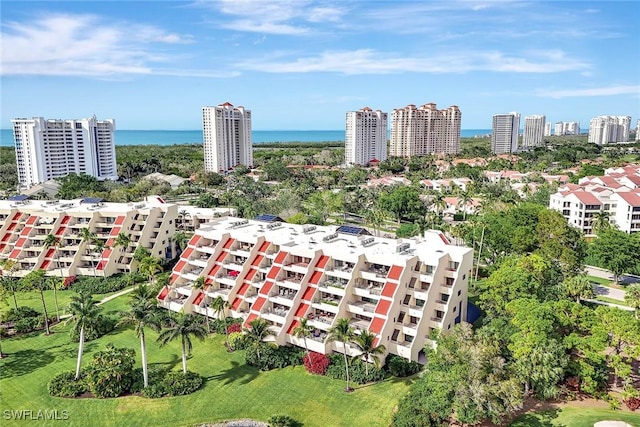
{"x": 361, "y": 307}
{"x": 323, "y": 317}
{"x": 360, "y": 324}
{"x": 367, "y": 288}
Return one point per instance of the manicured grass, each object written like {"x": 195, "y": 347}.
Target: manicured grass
{"x": 232, "y": 390}
{"x": 611, "y": 300}
{"x": 600, "y": 280}
{"x": 574, "y": 417}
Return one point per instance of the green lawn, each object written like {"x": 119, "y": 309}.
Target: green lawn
{"x": 574, "y": 417}
{"x": 232, "y": 390}
{"x": 32, "y": 299}
{"x": 611, "y": 300}
{"x": 600, "y": 280}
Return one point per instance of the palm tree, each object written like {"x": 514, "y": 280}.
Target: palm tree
{"x": 578, "y": 287}
{"x": 463, "y": 202}
{"x": 632, "y": 297}
{"x": 181, "y": 240}
{"x": 98, "y": 247}
{"x": 600, "y": 221}
{"x": 438, "y": 202}
{"x": 304, "y": 330}
{"x": 3, "y": 300}
{"x": 36, "y": 280}
{"x": 183, "y": 327}
{"x": 87, "y": 237}
{"x": 83, "y": 310}
{"x": 343, "y": 332}
{"x": 143, "y": 312}
{"x": 200, "y": 285}
{"x": 150, "y": 266}
{"x": 10, "y": 266}
{"x": 53, "y": 241}
{"x": 365, "y": 342}
{"x": 183, "y": 214}
{"x": 219, "y": 305}
{"x": 257, "y": 332}
{"x": 122, "y": 241}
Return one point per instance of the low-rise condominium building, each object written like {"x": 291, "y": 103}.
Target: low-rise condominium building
{"x": 400, "y": 290}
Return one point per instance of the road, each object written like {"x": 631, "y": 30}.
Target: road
{"x": 617, "y": 294}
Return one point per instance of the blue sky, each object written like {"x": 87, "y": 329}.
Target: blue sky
{"x": 301, "y": 64}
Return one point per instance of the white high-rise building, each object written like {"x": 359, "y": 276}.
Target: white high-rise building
{"x": 533, "y": 131}
{"x": 418, "y": 131}
{"x": 547, "y": 129}
{"x": 48, "y": 149}
{"x": 226, "y": 134}
{"x": 606, "y": 129}
{"x": 365, "y": 137}
{"x": 504, "y": 138}
{"x": 566, "y": 128}
{"x": 638, "y": 130}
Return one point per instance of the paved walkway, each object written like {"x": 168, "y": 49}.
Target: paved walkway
{"x": 606, "y": 291}
{"x": 105, "y": 299}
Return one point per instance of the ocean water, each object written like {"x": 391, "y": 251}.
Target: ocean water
{"x": 170, "y": 137}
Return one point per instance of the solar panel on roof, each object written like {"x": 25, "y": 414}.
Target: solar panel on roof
{"x": 268, "y": 218}
{"x": 91, "y": 200}
{"x": 349, "y": 229}
{"x": 19, "y": 198}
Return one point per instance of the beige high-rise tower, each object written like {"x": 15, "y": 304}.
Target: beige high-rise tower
{"x": 419, "y": 131}
{"x": 226, "y": 132}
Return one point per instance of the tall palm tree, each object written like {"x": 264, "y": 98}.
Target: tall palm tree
{"x": 181, "y": 240}
{"x": 183, "y": 327}
{"x": 150, "y": 266}
{"x": 632, "y": 297}
{"x": 304, "y": 330}
{"x": 600, "y": 222}
{"x": 83, "y": 310}
{"x": 365, "y": 342}
{"x": 10, "y": 266}
{"x": 257, "y": 332}
{"x": 141, "y": 314}
{"x": 219, "y": 305}
{"x": 3, "y": 300}
{"x": 36, "y": 280}
{"x": 87, "y": 236}
{"x": 98, "y": 247}
{"x": 578, "y": 287}
{"x": 463, "y": 202}
{"x": 122, "y": 241}
{"x": 52, "y": 241}
{"x": 342, "y": 332}
{"x": 183, "y": 214}
{"x": 200, "y": 284}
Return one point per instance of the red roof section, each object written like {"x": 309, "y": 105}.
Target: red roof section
{"x": 376, "y": 325}
{"x": 587, "y": 198}
{"x": 194, "y": 240}
{"x": 389, "y": 289}
{"x": 186, "y": 253}
{"x": 322, "y": 261}
{"x": 228, "y": 243}
{"x": 256, "y": 262}
{"x": 315, "y": 277}
{"x": 222, "y": 256}
{"x": 163, "y": 294}
{"x": 45, "y": 264}
{"x": 308, "y": 293}
{"x": 115, "y": 231}
{"x": 236, "y": 303}
{"x": 243, "y": 289}
{"x": 66, "y": 219}
{"x": 273, "y": 272}
{"x": 119, "y": 220}
{"x": 250, "y": 274}
{"x": 264, "y": 246}
{"x": 198, "y": 299}
{"x": 257, "y": 306}
{"x": 32, "y": 219}
{"x": 50, "y": 253}
{"x": 395, "y": 272}
{"x": 280, "y": 257}
{"x": 20, "y": 242}
{"x": 251, "y": 317}
{"x": 14, "y": 253}
{"x": 266, "y": 288}
{"x": 383, "y": 307}
{"x": 302, "y": 310}
{"x": 179, "y": 266}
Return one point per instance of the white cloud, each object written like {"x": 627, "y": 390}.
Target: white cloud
{"x": 368, "y": 61}
{"x": 273, "y": 16}
{"x": 83, "y": 45}
{"x": 585, "y": 92}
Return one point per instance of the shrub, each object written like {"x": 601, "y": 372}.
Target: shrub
{"x": 234, "y": 327}
{"x": 156, "y": 376}
{"x": 282, "y": 421}
{"x": 64, "y": 384}
{"x": 19, "y": 313}
{"x": 273, "y": 356}
{"x": 103, "y": 285}
{"x": 177, "y": 383}
{"x": 632, "y": 403}
{"x": 111, "y": 373}
{"x": 238, "y": 341}
{"x": 102, "y": 325}
{"x": 220, "y": 326}
{"x": 316, "y": 363}
{"x": 400, "y": 367}
{"x": 29, "y": 324}
{"x": 357, "y": 370}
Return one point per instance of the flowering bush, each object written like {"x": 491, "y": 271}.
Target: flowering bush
{"x": 632, "y": 403}
{"x": 234, "y": 327}
{"x": 316, "y": 363}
